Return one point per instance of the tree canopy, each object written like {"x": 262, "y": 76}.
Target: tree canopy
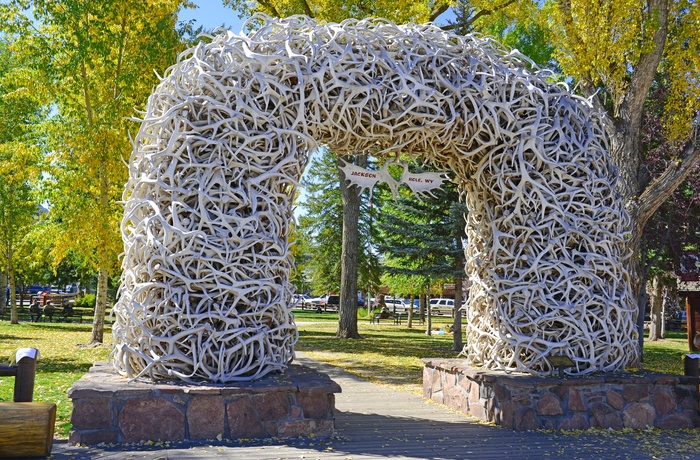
{"x": 20, "y": 111}
{"x": 321, "y": 224}
{"x": 96, "y": 62}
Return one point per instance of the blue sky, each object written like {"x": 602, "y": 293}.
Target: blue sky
{"x": 211, "y": 14}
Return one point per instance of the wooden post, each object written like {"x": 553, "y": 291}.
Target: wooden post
{"x": 26, "y": 429}
{"x": 24, "y": 380}
{"x": 692, "y": 308}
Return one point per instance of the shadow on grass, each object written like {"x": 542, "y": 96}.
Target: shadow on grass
{"x": 666, "y": 356}
{"x": 61, "y": 365}
{"x": 13, "y": 337}
{"x": 68, "y": 327}
{"x": 409, "y": 343}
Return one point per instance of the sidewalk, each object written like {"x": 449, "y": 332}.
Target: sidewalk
{"x": 375, "y": 422}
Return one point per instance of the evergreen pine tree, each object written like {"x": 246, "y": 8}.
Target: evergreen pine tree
{"x": 423, "y": 237}
{"x": 322, "y": 224}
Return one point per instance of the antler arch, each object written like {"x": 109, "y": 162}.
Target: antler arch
{"x": 226, "y": 136}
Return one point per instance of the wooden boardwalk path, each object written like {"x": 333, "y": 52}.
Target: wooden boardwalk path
{"x": 375, "y": 422}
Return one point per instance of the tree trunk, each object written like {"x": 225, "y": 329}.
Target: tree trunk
{"x": 457, "y": 344}
{"x": 347, "y": 316}
{"x": 410, "y": 312}
{"x": 4, "y": 281}
{"x": 670, "y": 303}
{"x": 421, "y": 306}
{"x": 429, "y": 314}
{"x": 98, "y": 323}
{"x": 14, "y": 315}
{"x": 656, "y": 304}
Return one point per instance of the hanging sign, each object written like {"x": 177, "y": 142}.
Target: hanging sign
{"x": 421, "y": 184}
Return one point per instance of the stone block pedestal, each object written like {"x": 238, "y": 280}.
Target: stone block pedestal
{"x": 634, "y": 400}
{"x": 107, "y": 408}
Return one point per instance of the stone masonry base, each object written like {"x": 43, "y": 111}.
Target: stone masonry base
{"x": 109, "y": 409}
{"x": 520, "y": 402}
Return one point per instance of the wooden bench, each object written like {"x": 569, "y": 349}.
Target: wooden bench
{"x": 400, "y": 317}
{"x": 23, "y": 315}
{"x": 26, "y": 427}
{"x": 73, "y": 317}
{"x": 397, "y": 318}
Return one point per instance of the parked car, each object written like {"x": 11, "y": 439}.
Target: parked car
{"x": 442, "y": 306}
{"x": 301, "y": 301}
{"x": 416, "y": 305}
{"x": 333, "y": 302}
{"x": 394, "y": 304}
{"x": 35, "y": 289}
{"x": 316, "y": 301}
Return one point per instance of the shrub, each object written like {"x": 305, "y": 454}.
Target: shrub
{"x": 85, "y": 301}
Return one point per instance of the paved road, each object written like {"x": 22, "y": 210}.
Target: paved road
{"x": 375, "y": 422}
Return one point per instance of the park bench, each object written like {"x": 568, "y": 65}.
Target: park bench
{"x": 73, "y": 317}
{"x": 396, "y": 318}
{"x": 399, "y": 317}
{"x": 26, "y": 427}
{"x": 6, "y": 314}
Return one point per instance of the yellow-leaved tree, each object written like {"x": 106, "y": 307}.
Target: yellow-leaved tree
{"x": 19, "y": 162}
{"x": 96, "y": 61}
{"x": 617, "y": 51}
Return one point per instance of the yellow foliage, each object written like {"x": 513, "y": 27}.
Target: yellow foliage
{"x": 96, "y": 61}
{"x": 602, "y": 42}
{"x": 338, "y": 10}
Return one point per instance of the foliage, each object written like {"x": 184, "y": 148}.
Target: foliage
{"x": 338, "y": 10}
{"x": 517, "y": 26}
{"x": 19, "y": 160}
{"x": 87, "y": 300}
{"x": 322, "y": 226}
{"x": 322, "y": 222}
{"x": 301, "y": 248}
{"x": 674, "y": 227}
{"x": 96, "y": 61}
{"x": 62, "y": 362}
{"x": 421, "y": 238}
{"x": 605, "y": 43}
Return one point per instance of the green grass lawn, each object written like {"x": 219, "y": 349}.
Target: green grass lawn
{"x": 387, "y": 354}
{"x": 63, "y": 361}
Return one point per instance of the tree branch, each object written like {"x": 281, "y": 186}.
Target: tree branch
{"x": 120, "y": 59}
{"x": 307, "y": 9}
{"x": 659, "y": 189}
{"x": 440, "y": 8}
{"x": 486, "y": 12}
{"x": 644, "y": 72}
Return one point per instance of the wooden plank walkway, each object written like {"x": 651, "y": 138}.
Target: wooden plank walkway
{"x": 375, "y": 422}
